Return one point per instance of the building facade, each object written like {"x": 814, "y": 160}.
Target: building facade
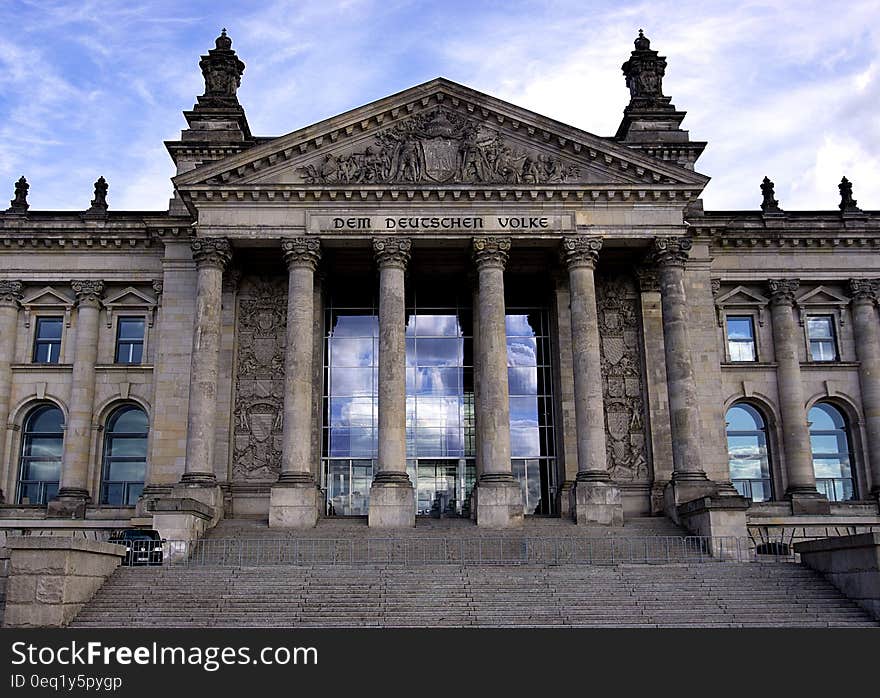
{"x": 439, "y": 304}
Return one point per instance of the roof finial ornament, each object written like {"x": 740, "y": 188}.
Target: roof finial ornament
{"x": 222, "y": 70}
{"x": 20, "y": 203}
{"x": 847, "y": 202}
{"x": 99, "y": 203}
{"x": 644, "y": 76}
{"x": 223, "y": 42}
{"x": 769, "y": 204}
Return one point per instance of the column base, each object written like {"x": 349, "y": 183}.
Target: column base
{"x": 392, "y": 501}
{"x": 203, "y": 488}
{"x": 805, "y": 501}
{"x": 181, "y": 521}
{"x": 148, "y": 495}
{"x": 294, "y": 502}
{"x": 70, "y": 503}
{"x": 597, "y": 502}
{"x": 566, "y": 506}
{"x": 499, "y": 502}
{"x": 722, "y": 519}
{"x": 685, "y": 487}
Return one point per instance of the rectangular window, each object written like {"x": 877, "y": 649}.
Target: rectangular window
{"x": 820, "y": 331}
{"x": 130, "y": 340}
{"x": 741, "y": 338}
{"x": 47, "y": 340}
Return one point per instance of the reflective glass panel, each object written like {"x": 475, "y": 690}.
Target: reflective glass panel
{"x": 41, "y": 450}
{"x": 131, "y": 328}
{"x": 832, "y": 459}
{"x": 820, "y": 330}
{"x": 125, "y": 456}
{"x": 747, "y": 453}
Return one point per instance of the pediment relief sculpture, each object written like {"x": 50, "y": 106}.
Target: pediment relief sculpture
{"x": 437, "y": 147}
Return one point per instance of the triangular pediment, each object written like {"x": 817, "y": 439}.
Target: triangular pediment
{"x": 741, "y": 296}
{"x": 822, "y": 295}
{"x": 440, "y": 134}
{"x": 129, "y": 296}
{"x": 46, "y": 296}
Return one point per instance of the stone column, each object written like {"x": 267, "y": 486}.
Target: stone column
{"x": 294, "y": 499}
{"x": 475, "y": 350}
{"x": 499, "y": 498}
{"x": 392, "y": 499}
{"x": 211, "y": 256}
{"x": 689, "y": 479}
{"x": 73, "y": 494}
{"x": 10, "y": 297}
{"x": 596, "y": 498}
{"x": 787, "y": 336}
{"x": 657, "y": 407}
{"x": 867, "y": 336}
{"x": 564, "y": 390}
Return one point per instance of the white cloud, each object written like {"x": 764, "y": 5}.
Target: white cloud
{"x": 783, "y": 89}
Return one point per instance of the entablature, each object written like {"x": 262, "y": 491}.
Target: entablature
{"x": 62, "y": 230}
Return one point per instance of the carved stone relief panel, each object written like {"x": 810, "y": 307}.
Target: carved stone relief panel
{"x": 622, "y": 383}
{"x": 440, "y": 146}
{"x": 259, "y": 388}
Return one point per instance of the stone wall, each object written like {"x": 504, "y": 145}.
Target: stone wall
{"x": 851, "y": 563}
{"x": 51, "y": 578}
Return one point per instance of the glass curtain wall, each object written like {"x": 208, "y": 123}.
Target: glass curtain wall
{"x": 529, "y": 375}
{"x": 350, "y": 402}
{"x": 440, "y": 430}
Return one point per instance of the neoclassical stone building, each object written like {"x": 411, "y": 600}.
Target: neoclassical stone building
{"x": 439, "y": 304}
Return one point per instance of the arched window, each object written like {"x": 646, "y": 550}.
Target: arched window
{"x": 125, "y": 456}
{"x": 40, "y": 466}
{"x": 832, "y": 457}
{"x": 747, "y": 452}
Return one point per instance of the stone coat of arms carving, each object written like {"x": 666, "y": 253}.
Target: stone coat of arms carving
{"x": 259, "y": 389}
{"x": 617, "y": 301}
{"x": 437, "y": 147}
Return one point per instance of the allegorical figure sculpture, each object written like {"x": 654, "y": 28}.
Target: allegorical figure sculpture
{"x": 644, "y": 75}
{"x": 99, "y": 203}
{"x": 769, "y": 204}
{"x": 222, "y": 71}
{"x": 20, "y": 203}
{"x": 847, "y": 202}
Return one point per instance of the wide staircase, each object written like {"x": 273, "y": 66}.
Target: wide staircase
{"x": 267, "y": 591}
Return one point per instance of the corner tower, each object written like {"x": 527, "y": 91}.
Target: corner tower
{"x": 217, "y": 125}
{"x": 650, "y": 121}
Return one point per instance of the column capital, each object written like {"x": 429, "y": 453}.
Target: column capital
{"x": 671, "y": 251}
{"x": 579, "y": 252}
{"x": 392, "y": 251}
{"x": 211, "y": 252}
{"x": 649, "y": 279}
{"x": 10, "y": 293}
{"x": 88, "y": 292}
{"x": 491, "y": 252}
{"x": 782, "y": 291}
{"x": 864, "y": 289}
{"x": 301, "y": 252}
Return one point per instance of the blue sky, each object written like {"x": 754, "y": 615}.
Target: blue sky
{"x": 786, "y": 89}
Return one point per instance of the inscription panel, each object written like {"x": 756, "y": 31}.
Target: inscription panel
{"x": 434, "y": 222}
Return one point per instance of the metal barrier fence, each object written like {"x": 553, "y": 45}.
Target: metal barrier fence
{"x": 507, "y": 550}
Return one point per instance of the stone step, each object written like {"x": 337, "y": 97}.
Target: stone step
{"x": 708, "y": 595}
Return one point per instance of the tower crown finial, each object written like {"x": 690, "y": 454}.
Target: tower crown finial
{"x": 644, "y": 76}
{"x": 222, "y": 71}
{"x": 223, "y": 42}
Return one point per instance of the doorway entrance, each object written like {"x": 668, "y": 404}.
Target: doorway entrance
{"x": 443, "y": 486}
